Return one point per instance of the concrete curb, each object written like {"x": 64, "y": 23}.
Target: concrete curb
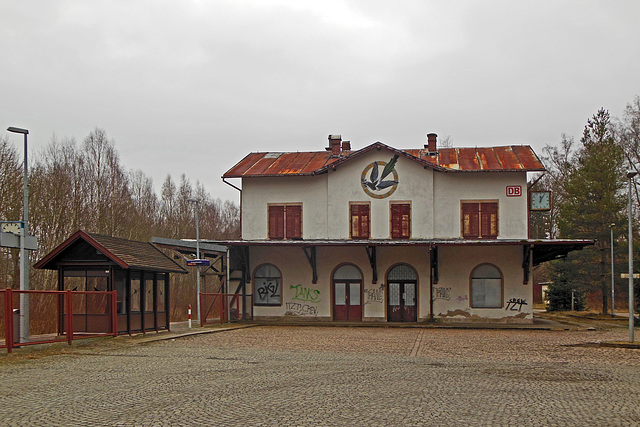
{"x": 173, "y": 335}
{"x": 621, "y": 344}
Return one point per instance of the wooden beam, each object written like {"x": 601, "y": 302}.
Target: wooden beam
{"x": 434, "y": 264}
{"x": 371, "y": 253}
{"x": 311, "y": 257}
{"x": 526, "y": 263}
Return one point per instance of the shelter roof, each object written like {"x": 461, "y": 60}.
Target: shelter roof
{"x": 128, "y": 254}
{"x": 480, "y": 159}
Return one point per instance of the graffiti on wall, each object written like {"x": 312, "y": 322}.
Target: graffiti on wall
{"x": 305, "y": 294}
{"x": 374, "y": 295}
{"x": 463, "y": 298}
{"x": 515, "y": 304}
{"x": 441, "y": 293}
{"x": 299, "y": 309}
{"x": 267, "y": 291}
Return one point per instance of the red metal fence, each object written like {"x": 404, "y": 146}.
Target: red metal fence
{"x": 220, "y": 308}
{"x": 56, "y": 316}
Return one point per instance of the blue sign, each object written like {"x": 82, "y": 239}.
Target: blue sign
{"x": 195, "y": 262}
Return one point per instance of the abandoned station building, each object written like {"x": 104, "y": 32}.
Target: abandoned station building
{"x": 382, "y": 234}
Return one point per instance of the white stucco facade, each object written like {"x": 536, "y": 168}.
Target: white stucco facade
{"x": 435, "y": 199}
{"x": 432, "y": 273}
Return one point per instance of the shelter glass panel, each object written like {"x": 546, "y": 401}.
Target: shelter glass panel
{"x": 121, "y": 291}
{"x": 161, "y": 294}
{"x": 148, "y": 289}
{"x": 135, "y": 292}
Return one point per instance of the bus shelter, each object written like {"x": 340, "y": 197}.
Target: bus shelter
{"x": 137, "y": 271}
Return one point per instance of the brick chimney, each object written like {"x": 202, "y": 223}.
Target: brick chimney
{"x": 431, "y": 142}
{"x": 346, "y": 145}
{"x": 334, "y": 143}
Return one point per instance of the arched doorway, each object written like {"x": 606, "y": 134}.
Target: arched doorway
{"x": 347, "y": 293}
{"x": 402, "y": 282}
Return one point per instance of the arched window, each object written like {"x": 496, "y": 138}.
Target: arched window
{"x": 401, "y": 272}
{"x": 347, "y": 272}
{"x": 267, "y": 285}
{"x": 486, "y": 287}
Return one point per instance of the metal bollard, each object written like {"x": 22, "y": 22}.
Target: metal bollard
{"x": 189, "y": 312}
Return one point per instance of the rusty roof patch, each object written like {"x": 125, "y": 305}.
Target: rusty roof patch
{"x": 508, "y": 159}
{"x": 467, "y": 159}
{"x": 527, "y": 157}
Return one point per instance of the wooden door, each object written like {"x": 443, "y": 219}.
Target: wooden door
{"x": 401, "y": 299}
{"x": 340, "y": 311}
{"x": 347, "y": 301}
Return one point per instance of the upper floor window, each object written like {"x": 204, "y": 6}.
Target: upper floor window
{"x": 400, "y": 220}
{"x": 285, "y": 221}
{"x": 360, "y": 220}
{"x": 480, "y": 220}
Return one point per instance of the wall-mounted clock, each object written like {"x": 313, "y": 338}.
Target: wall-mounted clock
{"x": 540, "y": 200}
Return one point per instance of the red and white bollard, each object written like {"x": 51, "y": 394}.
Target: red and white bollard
{"x": 189, "y": 311}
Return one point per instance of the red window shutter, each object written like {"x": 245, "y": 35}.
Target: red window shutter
{"x": 470, "y": 220}
{"x": 364, "y": 221}
{"x": 294, "y": 222}
{"x": 400, "y": 221}
{"x": 276, "y": 222}
{"x": 406, "y": 221}
{"x": 489, "y": 220}
{"x": 359, "y": 221}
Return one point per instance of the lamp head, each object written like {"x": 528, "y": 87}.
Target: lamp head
{"x": 18, "y": 130}
{"x": 631, "y": 173}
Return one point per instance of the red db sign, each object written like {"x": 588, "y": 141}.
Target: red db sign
{"x": 514, "y": 190}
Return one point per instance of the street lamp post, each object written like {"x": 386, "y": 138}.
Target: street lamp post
{"x": 613, "y": 292}
{"x": 24, "y": 255}
{"x": 630, "y": 175}
{"x": 197, "y": 203}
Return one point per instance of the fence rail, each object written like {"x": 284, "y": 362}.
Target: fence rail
{"x": 221, "y": 308}
{"x": 55, "y": 316}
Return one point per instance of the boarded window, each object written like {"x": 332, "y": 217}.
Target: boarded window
{"x": 285, "y": 221}
{"x": 479, "y": 220}
{"x": 400, "y": 221}
{"x": 360, "y": 221}
{"x": 486, "y": 287}
{"x": 266, "y": 285}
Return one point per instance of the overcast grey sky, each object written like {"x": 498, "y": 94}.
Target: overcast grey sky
{"x": 191, "y": 87}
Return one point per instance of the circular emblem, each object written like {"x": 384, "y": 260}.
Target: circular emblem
{"x": 380, "y": 179}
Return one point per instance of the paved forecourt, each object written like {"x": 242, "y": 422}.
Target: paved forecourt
{"x": 302, "y": 375}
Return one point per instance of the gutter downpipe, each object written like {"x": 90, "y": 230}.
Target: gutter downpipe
{"x": 240, "y": 190}
{"x": 226, "y": 282}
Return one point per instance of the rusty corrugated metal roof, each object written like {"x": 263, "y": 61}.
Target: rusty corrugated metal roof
{"x": 479, "y": 159}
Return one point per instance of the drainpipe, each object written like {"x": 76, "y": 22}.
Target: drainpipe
{"x": 240, "y": 190}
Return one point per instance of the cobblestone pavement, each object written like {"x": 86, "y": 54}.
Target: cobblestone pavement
{"x": 294, "y": 375}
